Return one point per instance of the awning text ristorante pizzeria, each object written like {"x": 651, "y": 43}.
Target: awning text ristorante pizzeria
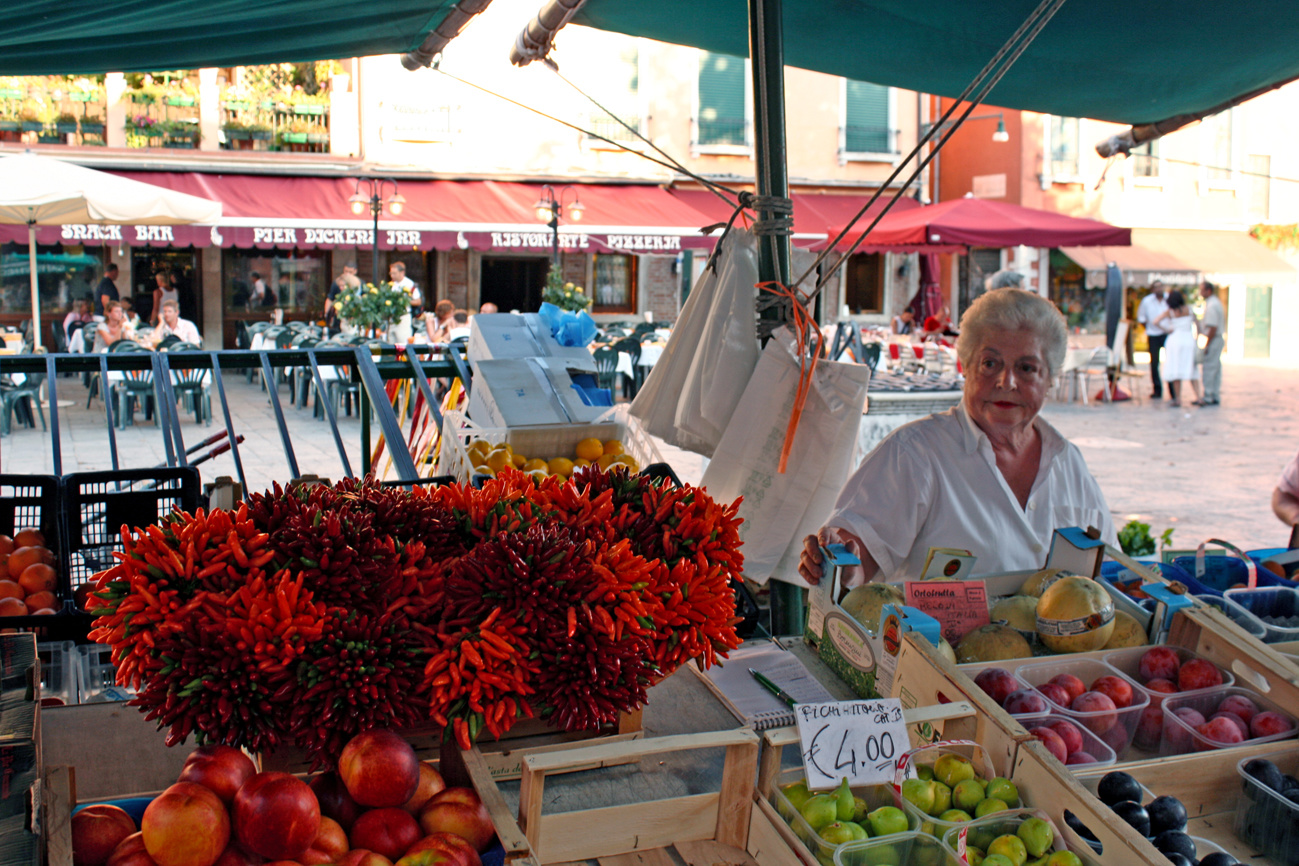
{"x": 538, "y": 240}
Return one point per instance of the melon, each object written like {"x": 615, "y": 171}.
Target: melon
{"x": 1075, "y": 615}
{"x": 1019, "y": 612}
{"x": 864, "y": 603}
{"x": 990, "y": 643}
{"x": 1127, "y": 632}
{"x": 1041, "y": 580}
{"x": 945, "y": 650}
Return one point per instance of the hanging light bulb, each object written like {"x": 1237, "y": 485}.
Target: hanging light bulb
{"x": 575, "y": 211}
{"x": 1001, "y": 134}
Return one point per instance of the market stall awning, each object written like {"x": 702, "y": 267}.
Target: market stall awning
{"x": 265, "y": 211}
{"x": 1140, "y": 265}
{"x": 1140, "y": 61}
{"x": 979, "y": 222}
{"x": 815, "y": 214}
{"x": 1220, "y": 255}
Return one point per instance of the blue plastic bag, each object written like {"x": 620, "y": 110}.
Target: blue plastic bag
{"x": 568, "y": 328}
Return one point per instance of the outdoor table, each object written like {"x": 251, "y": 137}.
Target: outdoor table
{"x": 649, "y": 356}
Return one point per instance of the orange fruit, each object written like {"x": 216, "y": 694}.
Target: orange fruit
{"x": 41, "y": 600}
{"x": 560, "y": 466}
{"x": 534, "y": 465}
{"x": 12, "y": 607}
{"x": 25, "y": 556}
{"x": 604, "y": 461}
{"x": 38, "y": 578}
{"x": 613, "y": 446}
{"x": 6, "y": 545}
{"x": 589, "y": 449}
{"x": 45, "y": 611}
{"x": 11, "y": 589}
{"x": 498, "y": 460}
{"x": 29, "y": 538}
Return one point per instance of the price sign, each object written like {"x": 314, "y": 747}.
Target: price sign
{"x": 959, "y": 605}
{"x": 862, "y": 740}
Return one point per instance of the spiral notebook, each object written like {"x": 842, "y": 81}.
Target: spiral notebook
{"x": 748, "y": 700}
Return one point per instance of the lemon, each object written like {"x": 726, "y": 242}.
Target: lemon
{"x": 612, "y": 447}
{"x": 498, "y": 460}
{"x": 589, "y": 449}
{"x": 560, "y": 466}
{"x": 480, "y": 446}
{"x": 580, "y": 463}
{"x": 534, "y": 465}
{"x": 605, "y": 461}
{"x": 539, "y": 474}
{"x": 518, "y": 460}
{"x": 627, "y": 460}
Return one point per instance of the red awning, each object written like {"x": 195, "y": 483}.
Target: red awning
{"x": 263, "y": 211}
{"x": 983, "y": 223}
{"x": 816, "y": 215}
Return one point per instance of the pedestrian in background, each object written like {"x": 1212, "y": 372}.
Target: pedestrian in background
{"x": 1152, "y": 307}
{"x": 1178, "y": 321}
{"x": 1212, "y": 324}
{"x": 106, "y": 290}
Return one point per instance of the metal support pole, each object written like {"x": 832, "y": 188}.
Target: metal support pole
{"x": 554, "y": 233}
{"x": 766, "y": 51}
{"x": 376, "y": 205}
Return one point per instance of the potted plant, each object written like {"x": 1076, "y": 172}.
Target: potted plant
{"x": 179, "y": 133}
{"x": 92, "y": 124}
{"x": 236, "y": 130}
{"x": 33, "y": 115}
{"x": 566, "y": 296}
{"x": 372, "y": 309}
{"x": 260, "y": 131}
{"x": 65, "y": 123}
{"x": 296, "y": 133}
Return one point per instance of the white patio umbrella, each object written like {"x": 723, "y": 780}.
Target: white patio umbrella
{"x": 37, "y": 190}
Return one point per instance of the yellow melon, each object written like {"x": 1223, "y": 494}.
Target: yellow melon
{"x": 1040, "y": 580}
{"x": 1127, "y": 632}
{"x": 990, "y": 643}
{"x": 1075, "y": 615}
{"x": 864, "y": 603}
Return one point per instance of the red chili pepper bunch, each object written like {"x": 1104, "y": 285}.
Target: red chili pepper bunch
{"x": 362, "y": 673}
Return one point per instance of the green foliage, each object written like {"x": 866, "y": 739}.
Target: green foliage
{"x": 1136, "y": 540}
{"x": 370, "y": 306}
{"x": 566, "y": 296}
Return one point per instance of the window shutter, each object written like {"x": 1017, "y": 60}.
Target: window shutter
{"x": 866, "y": 118}
{"x": 721, "y": 100}
{"x": 619, "y": 94}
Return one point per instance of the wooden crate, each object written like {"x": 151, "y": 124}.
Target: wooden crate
{"x": 709, "y": 829}
{"x": 503, "y": 756}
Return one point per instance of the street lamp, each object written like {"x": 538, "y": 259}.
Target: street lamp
{"x": 374, "y": 201}
{"x": 550, "y": 207}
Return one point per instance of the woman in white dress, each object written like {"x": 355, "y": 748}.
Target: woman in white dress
{"x": 1179, "y": 349}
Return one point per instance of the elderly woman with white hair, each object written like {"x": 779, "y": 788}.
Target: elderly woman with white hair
{"x": 989, "y": 476}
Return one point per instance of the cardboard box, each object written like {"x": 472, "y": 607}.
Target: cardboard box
{"x": 500, "y": 336}
{"x": 519, "y": 392}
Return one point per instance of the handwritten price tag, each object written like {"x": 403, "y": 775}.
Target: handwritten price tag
{"x": 862, "y": 740}
{"x": 959, "y": 605}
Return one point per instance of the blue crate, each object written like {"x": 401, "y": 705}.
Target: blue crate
{"x": 1221, "y": 573}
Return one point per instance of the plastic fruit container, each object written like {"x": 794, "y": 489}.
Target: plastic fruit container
{"x": 1116, "y": 727}
{"x": 874, "y": 795}
{"x": 973, "y": 669}
{"x": 928, "y": 755}
{"x": 1128, "y": 661}
{"x": 1275, "y": 608}
{"x": 902, "y": 849}
{"x": 1248, "y": 622}
{"x": 1179, "y": 738}
{"x": 980, "y": 832}
{"x": 1265, "y": 820}
{"x": 1092, "y": 745}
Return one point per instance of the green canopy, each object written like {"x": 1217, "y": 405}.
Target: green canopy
{"x": 1136, "y": 61}
{"x": 77, "y": 36}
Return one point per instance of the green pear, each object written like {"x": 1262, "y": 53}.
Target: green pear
{"x": 951, "y": 769}
{"x": 887, "y": 820}
{"x": 859, "y": 809}
{"x": 920, "y": 794}
{"x": 796, "y": 793}
{"x": 925, "y": 771}
{"x": 1064, "y": 858}
{"x": 1004, "y": 790}
{"x": 988, "y": 806}
{"x": 1010, "y": 847}
{"x": 968, "y": 794}
{"x": 998, "y": 860}
{"x": 839, "y": 832}
{"x": 955, "y": 816}
{"x": 1037, "y": 836}
{"x": 973, "y": 855}
{"x": 942, "y": 798}
{"x": 820, "y": 810}
{"x": 843, "y": 801}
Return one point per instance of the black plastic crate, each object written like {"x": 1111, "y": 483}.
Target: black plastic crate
{"x": 100, "y": 503}
{"x": 28, "y": 501}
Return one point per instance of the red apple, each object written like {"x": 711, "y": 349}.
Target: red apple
{"x": 430, "y": 783}
{"x": 221, "y": 769}
{"x": 334, "y": 800}
{"x": 1268, "y": 724}
{"x": 186, "y": 825}
{"x": 379, "y": 768}
{"x": 130, "y": 852}
{"x": 1080, "y": 757}
{"x": 362, "y": 857}
{"x": 998, "y": 683}
{"x": 1116, "y": 688}
{"x": 1052, "y": 741}
{"x": 389, "y": 831}
{"x": 1102, "y": 715}
{"x": 1025, "y": 701}
{"x": 1069, "y": 683}
{"x": 459, "y": 811}
{"x": 1068, "y": 733}
{"x": 1198, "y": 674}
{"x": 1240, "y": 706}
{"x": 1218, "y": 732}
{"x": 234, "y": 855}
{"x": 1159, "y": 662}
{"x": 454, "y": 851}
{"x": 1055, "y": 693}
{"x": 96, "y": 831}
{"x": 276, "y": 815}
{"x": 329, "y": 845}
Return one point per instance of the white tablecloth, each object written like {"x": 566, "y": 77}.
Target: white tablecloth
{"x": 649, "y": 356}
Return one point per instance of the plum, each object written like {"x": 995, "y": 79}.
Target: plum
{"x": 1055, "y": 693}
{"x": 1024, "y": 701}
{"x": 1068, "y": 732}
{"x": 1052, "y": 741}
{"x": 998, "y": 683}
{"x": 1116, "y": 787}
{"x": 1080, "y": 757}
{"x": 1198, "y": 674}
{"x": 1116, "y": 689}
{"x": 1161, "y": 685}
{"x": 1218, "y": 732}
{"x": 1159, "y": 663}
{"x": 1269, "y": 724}
{"x": 1179, "y": 739}
{"x": 1102, "y": 715}
{"x": 1071, "y": 684}
{"x": 1240, "y": 705}
{"x": 1235, "y": 720}
{"x": 1150, "y": 728}
{"x": 1166, "y": 813}
{"x": 1134, "y": 814}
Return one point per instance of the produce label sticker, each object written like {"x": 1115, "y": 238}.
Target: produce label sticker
{"x": 959, "y": 605}
{"x": 861, "y": 740}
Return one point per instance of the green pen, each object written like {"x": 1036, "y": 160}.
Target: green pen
{"x": 772, "y": 687}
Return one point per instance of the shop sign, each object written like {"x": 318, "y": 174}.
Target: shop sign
{"x": 644, "y": 242}
{"x": 92, "y": 233}
{"x": 340, "y": 237}
{"x": 539, "y": 240}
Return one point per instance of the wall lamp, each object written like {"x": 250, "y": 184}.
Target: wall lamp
{"x": 374, "y": 201}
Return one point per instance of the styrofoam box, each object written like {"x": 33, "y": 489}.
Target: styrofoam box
{"x": 1179, "y": 737}
{"x": 1117, "y": 732}
{"x": 516, "y": 392}
{"x": 494, "y": 336}
{"x": 59, "y": 670}
{"x": 543, "y": 440}
{"x": 97, "y": 683}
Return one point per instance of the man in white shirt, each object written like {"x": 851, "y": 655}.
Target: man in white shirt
{"x": 173, "y": 325}
{"x": 1212, "y": 324}
{"x": 1151, "y": 308}
{"x": 402, "y": 328}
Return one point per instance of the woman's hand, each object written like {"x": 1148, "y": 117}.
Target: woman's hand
{"x": 811, "y": 562}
